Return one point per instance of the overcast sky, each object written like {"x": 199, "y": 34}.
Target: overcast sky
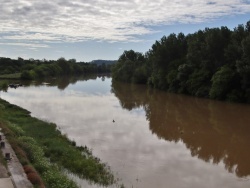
{"x": 103, "y": 29}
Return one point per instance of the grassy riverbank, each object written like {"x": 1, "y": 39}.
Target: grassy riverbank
{"x": 11, "y": 76}
{"x": 45, "y": 152}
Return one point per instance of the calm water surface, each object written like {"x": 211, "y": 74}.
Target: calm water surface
{"x": 158, "y": 139}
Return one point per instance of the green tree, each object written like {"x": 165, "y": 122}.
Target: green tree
{"x": 221, "y": 81}
{"x": 130, "y": 67}
{"x": 161, "y": 56}
{"x": 65, "y": 66}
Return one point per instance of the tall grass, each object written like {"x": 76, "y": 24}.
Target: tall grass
{"x": 11, "y": 76}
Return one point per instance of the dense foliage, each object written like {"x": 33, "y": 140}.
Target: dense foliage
{"x": 212, "y": 63}
{"x": 31, "y": 69}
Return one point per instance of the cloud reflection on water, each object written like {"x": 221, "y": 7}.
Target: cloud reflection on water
{"x": 144, "y": 146}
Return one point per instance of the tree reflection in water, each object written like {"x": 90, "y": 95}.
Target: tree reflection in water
{"x": 213, "y": 131}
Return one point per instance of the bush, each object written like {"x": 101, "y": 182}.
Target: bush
{"x": 26, "y": 75}
{"x": 51, "y": 173}
{"x": 34, "y": 178}
{"x": 16, "y": 129}
{"x": 2, "y": 107}
{"x": 4, "y": 86}
{"x": 28, "y": 169}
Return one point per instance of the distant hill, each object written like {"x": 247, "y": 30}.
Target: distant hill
{"x": 100, "y": 62}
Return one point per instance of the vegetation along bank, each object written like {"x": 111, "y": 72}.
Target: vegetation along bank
{"x": 46, "y": 154}
{"x": 212, "y": 63}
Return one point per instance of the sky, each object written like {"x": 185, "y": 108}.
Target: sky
{"x": 87, "y": 30}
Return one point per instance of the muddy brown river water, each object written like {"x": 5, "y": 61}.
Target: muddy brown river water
{"x": 157, "y": 139}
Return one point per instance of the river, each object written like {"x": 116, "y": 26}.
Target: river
{"x": 149, "y": 138}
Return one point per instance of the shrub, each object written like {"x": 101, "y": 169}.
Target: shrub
{"x": 28, "y": 169}
{"x": 35, "y": 179}
{"x": 26, "y": 75}
{"x": 16, "y": 129}
{"x": 51, "y": 173}
{"x": 2, "y": 107}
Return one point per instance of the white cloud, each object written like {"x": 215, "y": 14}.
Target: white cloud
{"x": 109, "y": 20}
{"x": 30, "y": 45}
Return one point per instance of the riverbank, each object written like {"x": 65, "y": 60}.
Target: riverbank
{"x": 16, "y": 76}
{"x": 45, "y": 153}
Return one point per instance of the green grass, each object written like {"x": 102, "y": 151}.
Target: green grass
{"x": 11, "y": 76}
{"x": 41, "y": 144}
{"x": 3, "y": 85}
{"x": 2, "y": 159}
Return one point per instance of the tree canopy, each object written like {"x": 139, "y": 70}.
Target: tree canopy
{"x": 32, "y": 69}
{"x": 212, "y": 63}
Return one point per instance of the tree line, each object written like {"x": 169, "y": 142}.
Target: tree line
{"x": 212, "y": 63}
{"x": 33, "y": 69}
